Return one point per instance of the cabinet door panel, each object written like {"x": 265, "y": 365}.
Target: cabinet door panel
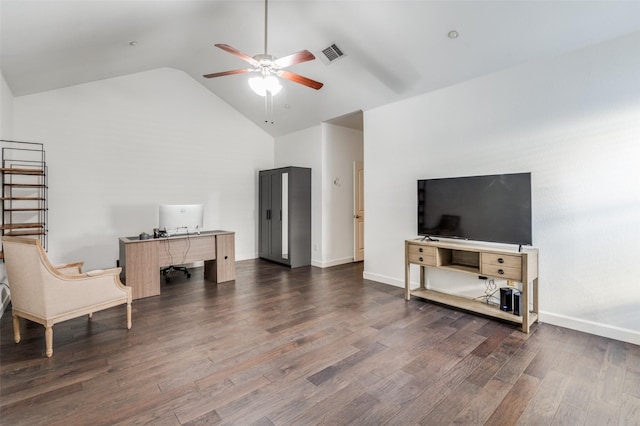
{"x": 276, "y": 216}
{"x": 265, "y": 207}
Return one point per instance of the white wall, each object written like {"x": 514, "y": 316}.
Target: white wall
{"x": 6, "y": 110}
{"x": 342, "y": 146}
{"x": 574, "y": 123}
{"x": 304, "y": 149}
{"x": 118, "y": 148}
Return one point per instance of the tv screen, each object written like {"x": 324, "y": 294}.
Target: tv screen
{"x": 180, "y": 218}
{"x": 494, "y": 208}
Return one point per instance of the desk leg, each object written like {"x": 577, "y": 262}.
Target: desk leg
{"x": 142, "y": 271}
{"x": 223, "y": 268}
{"x": 225, "y": 258}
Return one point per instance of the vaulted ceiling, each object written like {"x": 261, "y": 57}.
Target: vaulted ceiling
{"x": 393, "y": 49}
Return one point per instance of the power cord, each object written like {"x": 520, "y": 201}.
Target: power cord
{"x": 489, "y": 293}
{"x": 168, "y": 250}
{"x": 186, "y": 250}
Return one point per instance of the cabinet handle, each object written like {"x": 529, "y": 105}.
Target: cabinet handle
{"x": 420, "y": 250}
{"x": 500, "y": 260}
{"x": 500, "y": 272}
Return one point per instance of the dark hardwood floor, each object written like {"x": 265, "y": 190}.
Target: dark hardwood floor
{"x": 309, "y": 346}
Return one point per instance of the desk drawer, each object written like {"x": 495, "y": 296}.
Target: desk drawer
{"x": 422, "y": 255}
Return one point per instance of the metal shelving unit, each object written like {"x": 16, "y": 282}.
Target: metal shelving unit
{"x": 24, "y": 190}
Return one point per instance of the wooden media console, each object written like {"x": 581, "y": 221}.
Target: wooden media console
{"x": 514, "y": 265}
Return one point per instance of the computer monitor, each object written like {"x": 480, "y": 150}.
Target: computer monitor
{"x": 180, "y": 218}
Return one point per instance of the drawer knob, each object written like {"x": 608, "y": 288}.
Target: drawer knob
{"x": 500, "y": 272}
{"x": 420, "y": 250}
{"x": 421, "y": 260}
{"x": 500, "y": 260}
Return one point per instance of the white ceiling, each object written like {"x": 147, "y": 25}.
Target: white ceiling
{"x": 394, "y": 49}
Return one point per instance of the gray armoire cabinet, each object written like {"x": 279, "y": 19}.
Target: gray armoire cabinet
{"x": 285, "y": 216}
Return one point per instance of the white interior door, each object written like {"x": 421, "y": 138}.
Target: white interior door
{"x": 358, "y": 211}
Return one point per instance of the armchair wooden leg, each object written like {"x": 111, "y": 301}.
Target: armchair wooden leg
{"x": 48, "y": 339}
{"x": 16, "y": 329}
{"x": 129, "y": 316}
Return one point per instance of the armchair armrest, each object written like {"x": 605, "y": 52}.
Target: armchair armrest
{"x": 70, "y": 268}
{"x": 98, "y": 272}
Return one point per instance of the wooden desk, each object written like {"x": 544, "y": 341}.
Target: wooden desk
{"x": 141, "y": 260}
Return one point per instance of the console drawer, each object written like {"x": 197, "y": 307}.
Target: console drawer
{"x": 422, "y": 255}
{"x": 501, "y": 266}
{"x": 502, "y": 272}
{"x": 502, "y": 260}
{"x": 422, "y": 259}
{"x": 423, "y": 250}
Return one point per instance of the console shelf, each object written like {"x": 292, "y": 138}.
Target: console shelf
{"x": 521, "y": 266}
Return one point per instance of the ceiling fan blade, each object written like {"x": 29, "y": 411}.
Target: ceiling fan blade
{"x": 238, "y": 53}
{"x": 295, "y": 58}
{"x": 220, "y": 74}
{"x": 297, "y": 78}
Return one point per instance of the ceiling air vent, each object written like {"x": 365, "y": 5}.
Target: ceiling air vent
{"x": 331, "y": 54}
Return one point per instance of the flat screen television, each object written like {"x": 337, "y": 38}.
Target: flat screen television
{"x": 493, "y": 208}
{"x": 178, "y": 219}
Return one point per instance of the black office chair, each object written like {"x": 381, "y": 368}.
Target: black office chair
{"x": 166, "y": 271}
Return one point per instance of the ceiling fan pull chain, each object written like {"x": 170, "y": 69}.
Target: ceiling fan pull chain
{"x": 266, "y": 110}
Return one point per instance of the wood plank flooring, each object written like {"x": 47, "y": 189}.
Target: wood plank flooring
{"x": 309, "y": 346}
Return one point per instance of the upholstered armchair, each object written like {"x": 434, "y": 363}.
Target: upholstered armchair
{"x": 47, "y": 294}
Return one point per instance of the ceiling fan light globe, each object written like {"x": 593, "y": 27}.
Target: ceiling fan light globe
{"x": 261, "y": 85}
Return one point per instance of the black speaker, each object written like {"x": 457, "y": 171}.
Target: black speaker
{"x": 506, "y": 299}
{"x": 517, "y": 304}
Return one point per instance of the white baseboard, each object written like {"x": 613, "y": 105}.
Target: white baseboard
{"x": 591, "y": 327}
{"x": 246, "y": 256}
{"x": 383, "y": 279}
{"x": 331, "y": 263}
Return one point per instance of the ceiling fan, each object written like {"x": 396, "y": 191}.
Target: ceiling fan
{"x": 268, "y": 67}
